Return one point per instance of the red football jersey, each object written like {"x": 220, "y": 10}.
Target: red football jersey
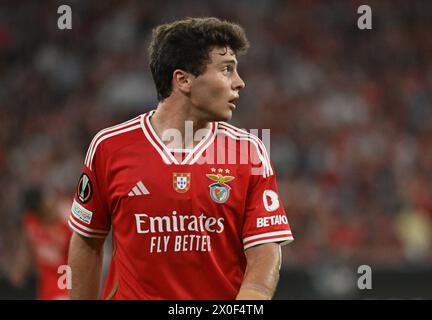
{"x": 181, "y": 219}
{"x": 49, "y": 244}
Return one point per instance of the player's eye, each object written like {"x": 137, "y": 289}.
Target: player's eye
{"x": 228, "y": 69}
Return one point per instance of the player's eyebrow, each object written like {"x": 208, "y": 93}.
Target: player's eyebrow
{"x": 231, "y": 61}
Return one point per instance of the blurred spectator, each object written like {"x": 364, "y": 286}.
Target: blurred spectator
{"x": 42, "y": 244}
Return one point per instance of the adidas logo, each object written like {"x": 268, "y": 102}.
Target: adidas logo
{"x": 138, "y": 190}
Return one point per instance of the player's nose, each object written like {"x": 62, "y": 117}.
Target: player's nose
{"x": 238, "y": 82}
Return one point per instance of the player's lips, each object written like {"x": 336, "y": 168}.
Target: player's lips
{"x": 231, "y": 102}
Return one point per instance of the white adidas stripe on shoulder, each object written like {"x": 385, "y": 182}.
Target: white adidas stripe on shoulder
{"x": 244, "y": 133}
{"x": 267, "y": 167}
{"x": 103, "y": 131}
{"x": 106, "y": 130}
{"x": 107, "y": 133}
{"x": 239, "y": 134}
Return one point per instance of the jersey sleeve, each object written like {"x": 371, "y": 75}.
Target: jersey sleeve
{"x": 265, "y": 217}
{"x": 89, "y": 215}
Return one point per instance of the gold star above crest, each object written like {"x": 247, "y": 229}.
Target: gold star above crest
{"x": 213, "y": 170}
{"x": 227, "y": 171}
{"x": 220, "y": 170}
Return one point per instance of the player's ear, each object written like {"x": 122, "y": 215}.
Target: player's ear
{"x": 182, "y": 80}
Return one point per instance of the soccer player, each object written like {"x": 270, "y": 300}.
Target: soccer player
{"x": 193, "y": 216}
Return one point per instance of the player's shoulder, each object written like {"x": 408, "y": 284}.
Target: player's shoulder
{"x": 234, "y": 132}
{"x": 113, "y": 137}
{"x": 241, "y": 135}
{"x": 247, "y": 142}
{"x": 118, "y": 133}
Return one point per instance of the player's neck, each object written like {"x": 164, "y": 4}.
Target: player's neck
{"x": 169, "y": 116}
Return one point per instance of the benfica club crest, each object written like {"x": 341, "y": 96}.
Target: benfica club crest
{"x": 181, "y": 182}
{"x": 219, "y": 191}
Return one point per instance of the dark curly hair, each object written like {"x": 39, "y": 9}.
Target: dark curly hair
{"x": 186, "y": 45}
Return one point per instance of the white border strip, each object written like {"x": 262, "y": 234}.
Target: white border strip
{"x": 109, "y": 136}
{"x": 149, "y": 138}
{"x": 268, "y": 234}
{"x": 83, "y": 233}
{"x": 102, "y": 132}
{"x": 242, "y": 133}
{"x": 266, "y": 172}
{"x": 254, "y": 243}
{"x": 76, "y": 223}
{"x": 205, "y": 140}
{"x": 156, "y": 137}
{"x": 200, "y": 152}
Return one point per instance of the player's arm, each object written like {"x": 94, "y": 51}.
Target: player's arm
{"x": 265, "y": 228}
{"x": 90, "y": 219}
{"x": 262, "y": 272}
{"x": 85, "y": 260}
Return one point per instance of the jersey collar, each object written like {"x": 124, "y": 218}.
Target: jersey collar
{"x": 165, "y": 153}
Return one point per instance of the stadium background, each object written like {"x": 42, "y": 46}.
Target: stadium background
{"x": 350, "y": 113}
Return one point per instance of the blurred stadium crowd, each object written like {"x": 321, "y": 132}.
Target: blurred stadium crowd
{"x": 350, "y": 111}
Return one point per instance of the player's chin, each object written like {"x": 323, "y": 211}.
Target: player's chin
{"x": 221, "y": 114}
{"x": 227, "y": 112}
{"x": 226, "y": 115}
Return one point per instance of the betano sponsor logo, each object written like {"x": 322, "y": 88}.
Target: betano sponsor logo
{"x": 271, "y": 221}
